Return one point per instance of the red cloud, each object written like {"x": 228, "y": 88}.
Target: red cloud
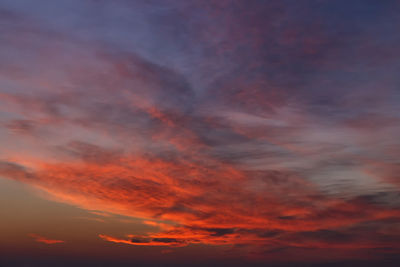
{"x": 213, "y": 204}
{"x": 45, "y": 240}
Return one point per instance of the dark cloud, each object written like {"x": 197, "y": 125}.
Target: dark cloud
{"x": 221, "y": 231}
{"x": 15, "y": 171}
{"x": 166, "y": 240}
{"x": 138, "y": 240}
{"x": 21, "y": 126}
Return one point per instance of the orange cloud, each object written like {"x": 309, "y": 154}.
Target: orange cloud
{"x": 115, "y": 240}
{"x": 212, "y": 203}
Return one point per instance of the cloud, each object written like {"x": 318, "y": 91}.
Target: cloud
{"x": 139, "y": 241}
{"x": 21, "y": 126}
{"x": 257, "y": 126}
{"x": 10, "y": 169}
{"x": 45, "y": 240}
{"x": 115, "y": 240}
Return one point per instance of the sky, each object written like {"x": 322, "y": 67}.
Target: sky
{"x": 199, "y": 133}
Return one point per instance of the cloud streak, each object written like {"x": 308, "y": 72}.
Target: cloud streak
{"x": 45, "y": 240}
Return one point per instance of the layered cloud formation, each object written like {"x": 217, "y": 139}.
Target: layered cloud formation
{"x": 265, "y": 126}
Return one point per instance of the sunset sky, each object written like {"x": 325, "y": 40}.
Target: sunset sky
{"x": 199, "y": 133}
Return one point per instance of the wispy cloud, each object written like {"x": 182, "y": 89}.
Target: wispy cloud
{"x": 45, "y": 240}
